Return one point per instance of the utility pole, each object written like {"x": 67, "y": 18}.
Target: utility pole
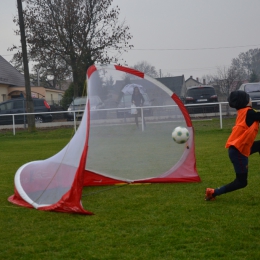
{"x": 29, "y": 101}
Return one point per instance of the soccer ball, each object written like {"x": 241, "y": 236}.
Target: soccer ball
{"x": 180, "y": 134}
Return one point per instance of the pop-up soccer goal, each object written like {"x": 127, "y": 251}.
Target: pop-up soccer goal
{"x": 109, "y": 148}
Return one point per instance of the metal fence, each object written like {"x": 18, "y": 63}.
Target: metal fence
{"x": 112, "y": 116}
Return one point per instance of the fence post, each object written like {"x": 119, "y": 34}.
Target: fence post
{"x": 220, "y": 115}
{"x": 142, "y": 117}
{"x": 13, "y": 125}
{"x": 75, "y": 125}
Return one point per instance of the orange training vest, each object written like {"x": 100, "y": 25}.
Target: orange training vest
{"x": 242, "y": 136}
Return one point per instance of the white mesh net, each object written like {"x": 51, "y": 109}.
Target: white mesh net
{"x": 43, "y": 183}
{"x": 122, "y": 147}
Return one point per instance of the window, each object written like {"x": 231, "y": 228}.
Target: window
{"x": 18, "y": 104}
{"x": 197, "y": 92}
{"x": 79, "y": 101}
{"x": 3, "y": 97}
{"x": 252, "y": 88}
{"x": 2, "y": 107}
{"x": 9, "y": 105}
{"x": 37, "y": 102}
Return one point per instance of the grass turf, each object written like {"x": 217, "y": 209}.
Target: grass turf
{"x": 158, "y": 221}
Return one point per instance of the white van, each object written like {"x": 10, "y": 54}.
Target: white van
{"x": 253, "y": 90}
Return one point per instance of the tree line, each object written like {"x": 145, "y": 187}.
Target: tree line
{"x": 244, "y": 68}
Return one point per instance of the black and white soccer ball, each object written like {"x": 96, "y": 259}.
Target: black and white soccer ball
{"x": 180, "y": 134}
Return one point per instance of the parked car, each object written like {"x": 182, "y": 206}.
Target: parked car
{"x": 79, "y": 103}
{"x": 96, "y": 104}
{"x": 126, "y": 102}
{"x": 200, "y": 95}
{"x": 18, "y": 106}
{"x": 253, "y": 90}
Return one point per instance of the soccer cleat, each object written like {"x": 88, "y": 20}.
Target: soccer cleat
{"x": 209, "y": 194}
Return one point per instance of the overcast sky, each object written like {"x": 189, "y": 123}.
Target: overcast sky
{"x": 180, "y": 37}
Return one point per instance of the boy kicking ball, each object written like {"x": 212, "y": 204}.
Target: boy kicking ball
{"x": 241, "y": 142}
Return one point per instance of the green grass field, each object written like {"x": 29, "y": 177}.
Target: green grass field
{"x": 157, "y": 221}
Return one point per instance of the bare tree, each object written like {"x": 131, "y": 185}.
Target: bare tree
{"x": 254, "y": 77}
{"x": 46, "y": 74}
{"x": 167, "y": 74}
{"x": 146, "y": 68}
{"x": 74, "y": 33}
{"x": 228, "y": 80}
{"x": 52, "y": 73}
{"x": 248, "y": 63}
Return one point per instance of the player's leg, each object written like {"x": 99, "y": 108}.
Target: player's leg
{"x": 240, "y": 163}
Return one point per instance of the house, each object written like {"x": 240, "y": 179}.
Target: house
{"x": 175, "y": 84}
{"x": 190, "y": 82}
{"x": 12, "y": 85}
